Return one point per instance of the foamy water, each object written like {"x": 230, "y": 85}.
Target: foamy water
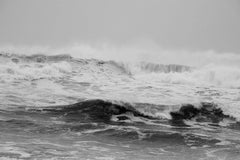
{"x": 31, "y": 82}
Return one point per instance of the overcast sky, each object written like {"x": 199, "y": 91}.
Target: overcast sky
{"x": 174, "y": 24}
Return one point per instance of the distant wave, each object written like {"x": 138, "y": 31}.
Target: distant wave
{"x": 39, "y": 66}
{"x": 144, "y": 66}
{"x": 160, "y": 68}
{"x": 40, "y": 58}
{"x": 42, "y": 66}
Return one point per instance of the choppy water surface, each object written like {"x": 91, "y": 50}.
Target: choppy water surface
{"x": 59, "y": 107}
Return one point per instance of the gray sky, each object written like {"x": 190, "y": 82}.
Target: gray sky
{"x": 174, "y": 24}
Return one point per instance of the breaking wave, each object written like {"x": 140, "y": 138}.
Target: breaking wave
{"x": 97, "y": 110}
{"x": 158, "y": 100}
{"x": 41, "y": 66}
{"x": 124, "y": 121}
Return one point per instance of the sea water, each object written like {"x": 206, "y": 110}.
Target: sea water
{"x": 65, "y": 107}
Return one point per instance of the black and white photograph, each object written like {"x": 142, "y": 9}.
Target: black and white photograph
{"x": 119, "y": 80}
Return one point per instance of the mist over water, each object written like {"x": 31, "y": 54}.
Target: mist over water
{"x": 132, "y": 52}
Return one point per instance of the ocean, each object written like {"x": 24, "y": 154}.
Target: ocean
{"x": 65, "y": 107}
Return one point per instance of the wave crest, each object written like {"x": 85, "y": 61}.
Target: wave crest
{"x": 39, "y": 66}
{"x": 97, "y": 110}
{"x": 160, "y": 68}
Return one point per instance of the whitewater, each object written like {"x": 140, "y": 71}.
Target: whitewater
{"x": 117, "y": 103}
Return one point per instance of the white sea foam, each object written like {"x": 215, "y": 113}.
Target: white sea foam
{"x": 219, "y": 75}
{"x": 137, "y": 74}
{"x": 31, "y": 71}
